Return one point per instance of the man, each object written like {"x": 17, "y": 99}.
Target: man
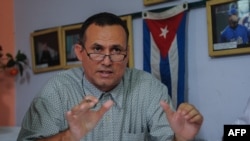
{"x": 235, "y": 32}
{"x": 106, "y": 100}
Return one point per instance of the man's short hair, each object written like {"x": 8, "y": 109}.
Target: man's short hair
{"x": 102, "y": 19}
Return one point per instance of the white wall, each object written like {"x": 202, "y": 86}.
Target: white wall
{"x": 218, "y": 87}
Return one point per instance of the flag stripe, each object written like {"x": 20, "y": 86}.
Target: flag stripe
{"x": 155, "y": 60}
{"x": 174, "y": 60}
{"x": 147, "y": 48}
{"x": 181, "y": 50}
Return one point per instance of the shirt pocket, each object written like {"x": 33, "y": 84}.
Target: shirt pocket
{"x": 133, "y": 137}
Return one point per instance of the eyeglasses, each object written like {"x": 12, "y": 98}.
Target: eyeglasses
{"x": 100, "y": 57}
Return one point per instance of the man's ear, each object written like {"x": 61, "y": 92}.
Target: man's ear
{"x": 78, "y": 51}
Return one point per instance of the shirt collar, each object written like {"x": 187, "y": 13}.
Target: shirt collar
{"x": 117, "y": 93}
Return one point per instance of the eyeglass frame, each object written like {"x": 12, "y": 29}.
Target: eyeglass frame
{"x": 104, "y": 55}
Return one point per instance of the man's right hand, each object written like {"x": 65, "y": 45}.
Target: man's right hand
{"x": 82, "y": 119}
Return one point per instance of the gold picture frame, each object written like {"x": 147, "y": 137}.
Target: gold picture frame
{"x": 46, "y": 50}
{"x": 152, "y": 2}
{"x": 128, "y": 20}
{"x": 70, "y": 36}
{"x": 220, "y": 42}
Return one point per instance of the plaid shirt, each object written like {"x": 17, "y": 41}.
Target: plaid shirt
{"x": 135, "y": 116}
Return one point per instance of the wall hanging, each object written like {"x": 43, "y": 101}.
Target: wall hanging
{"x": 70, "y": 36}
{"x": 228, "y": 27}
{"x": 46, "y": 50}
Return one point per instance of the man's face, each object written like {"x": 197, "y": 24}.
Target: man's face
{"x": 233, "y": 21}
{"x": 107, "y": 40}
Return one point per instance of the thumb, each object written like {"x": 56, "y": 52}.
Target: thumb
{"x": 167, "y": 109}
{"x": 105, "y": 107}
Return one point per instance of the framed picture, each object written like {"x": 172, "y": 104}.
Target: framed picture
{"x": 46, "y": 50}
{"x": 70, "y": 36}
{"x": 228, "y": 27}
{"x": 128, "y": 20}
{"x": 151, "y": 2}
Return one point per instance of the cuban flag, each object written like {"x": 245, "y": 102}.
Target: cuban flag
{"x": 164, "y": 49}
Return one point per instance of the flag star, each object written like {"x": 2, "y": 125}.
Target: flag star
{"x": 164, "y": 32}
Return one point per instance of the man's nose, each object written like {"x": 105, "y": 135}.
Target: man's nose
{"x": 107, "y": 60}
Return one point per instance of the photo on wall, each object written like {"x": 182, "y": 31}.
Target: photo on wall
{"x": 70, "y": 36}
{"x": 228, "y": 27}
{"x": 46, "y": 50}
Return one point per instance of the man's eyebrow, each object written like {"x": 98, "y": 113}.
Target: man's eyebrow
{"x": 114, "y": 46}
{"x": 118, "y": 46}
{"x": 96, "y": 45}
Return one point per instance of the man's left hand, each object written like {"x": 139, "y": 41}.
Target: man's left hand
{"x": 185, "y": 122}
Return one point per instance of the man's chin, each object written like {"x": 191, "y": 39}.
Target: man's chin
{"x": 104, "y": 85}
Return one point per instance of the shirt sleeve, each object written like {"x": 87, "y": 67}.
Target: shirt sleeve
{"x": 43, "y": 118}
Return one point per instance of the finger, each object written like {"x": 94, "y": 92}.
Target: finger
{"x": 87, "y": 103}
{"x": 75, "y": 109}
{"x": 69, "y": 116}
{"x": 105, "y": 107}
{"x": 185, "y": 108}
{"x": 166, "y": 108}
{"x": 90, "y": 98}
{"x": 197, "y": 119}
{"x": 190, "y": 113}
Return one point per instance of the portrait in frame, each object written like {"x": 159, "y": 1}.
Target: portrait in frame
{"x": 128, "y": 20}
{"x": 70, "y": 36}
{"x": 228, "y": 27}
{"x": 46, "y": 50}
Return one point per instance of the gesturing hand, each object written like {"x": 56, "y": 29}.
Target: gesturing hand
{"x": 185, "y": 122}
{"x": 82, "y": 119}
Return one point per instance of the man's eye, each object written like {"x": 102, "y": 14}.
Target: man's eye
{"x": 116, "y": 51}
{"x": 97, "y": 49}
